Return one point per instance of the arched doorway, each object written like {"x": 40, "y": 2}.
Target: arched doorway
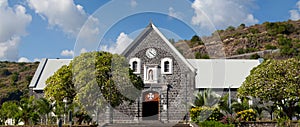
{"x": 150, "y": 109}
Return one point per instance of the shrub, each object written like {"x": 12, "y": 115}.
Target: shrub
{"x": 229, "y": 119}
{"x": 203, "y": 113}
{"x": 268, "y": 46}
{"x": 240, "y": 51}
{"x": 247, "y": 115}
{"x": 5, "y": 72}
{"x": 230, "y": 28}
{"x": 214, "y": 124}
{"x": 255, "y": 56}
{"x": 198, "y": 55}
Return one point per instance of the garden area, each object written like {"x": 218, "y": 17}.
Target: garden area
{"x": 268, "y": 97}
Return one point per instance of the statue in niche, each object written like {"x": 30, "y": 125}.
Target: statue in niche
{"x": 150, "y": 74}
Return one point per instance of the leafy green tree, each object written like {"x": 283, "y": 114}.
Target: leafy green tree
{"x": 101, "y": 76}
{"x": 195, "y": 38}
{"x": 11, "y": 110}
{"x": 60, "y": 85}
{"x": 276, "y": 81}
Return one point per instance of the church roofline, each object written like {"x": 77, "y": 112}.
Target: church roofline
{"x": 150, "y": 27}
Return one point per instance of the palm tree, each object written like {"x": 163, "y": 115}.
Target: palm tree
{"x": 28, "y": 110}
{"x": 44, "y": 108}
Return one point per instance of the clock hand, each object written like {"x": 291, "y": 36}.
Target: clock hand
{"x": 152, "y": 53}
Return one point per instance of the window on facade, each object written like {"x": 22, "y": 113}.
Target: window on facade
{"x": 134, "y": 66}
{"x": 166, "y": 66}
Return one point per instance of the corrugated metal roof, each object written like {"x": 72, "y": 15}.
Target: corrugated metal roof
{"x": 50, "y": 67}
{"x": 222, "y": 73}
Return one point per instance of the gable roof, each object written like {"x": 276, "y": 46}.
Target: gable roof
{"x": 222, "y": 73}
{"x": 46, "y": 68}
{"x": 144, "y": 33}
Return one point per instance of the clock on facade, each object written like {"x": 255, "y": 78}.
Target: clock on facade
{"x": 151, "y": 53}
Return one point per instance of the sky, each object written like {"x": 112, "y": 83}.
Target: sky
{"x": 34, "y": 29}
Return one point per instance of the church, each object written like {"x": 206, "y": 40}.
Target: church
{"x": 170, "y": 79}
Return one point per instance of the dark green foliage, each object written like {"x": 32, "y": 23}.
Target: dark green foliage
{"x": 240, "y": 51}
{"x": 253, "y": 30}
{"x": 14, "y": 77}
{"x": 195, "y": 38}
{"x": 287, "y": 48}
{"x": 198, "y": 55}
{"x": 279, "y": 28}
{"x": 245, "y": 50}
{"x": 255, "y": 56}
{"x": 230, "y": 28}
{"x": 270, "y": 47}
{"x": 5, "y": 72}
{"x": 214, "y": 124}
{"x": 28, "y": 78}
{"x": 242, "y": 26}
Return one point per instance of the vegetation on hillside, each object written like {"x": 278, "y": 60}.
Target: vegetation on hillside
{"x": 242, "y": 39}
{"x": 14, "y": 79}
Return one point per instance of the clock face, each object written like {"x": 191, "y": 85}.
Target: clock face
{"x": 151, "y": 53}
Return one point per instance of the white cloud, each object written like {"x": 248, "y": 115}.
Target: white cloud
{"x": 9, "y": 49}
{"x": 36, "y": 60}
{"x": 222, "y": 13}
{"x": 13, "y": 25}
{"x": 67, "y": 53}
{"x": 133, "y": 3}
{"x": 295, "y": 13}
{"x": 83, "y": 50}
{"x": 173, "y": 13}
{"x": 123, "y": 41}
{"x": 64, "y": 14}
{"x": 23, "y": 59}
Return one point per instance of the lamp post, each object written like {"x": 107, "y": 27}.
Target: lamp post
{"x": 168, "y": 89}
{"x": 110, "y": 99}
{"x": 229, "y": 98}
{"x": 65, "y": 109}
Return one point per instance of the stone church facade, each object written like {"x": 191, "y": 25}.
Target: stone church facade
{"x": 167, "y": 75}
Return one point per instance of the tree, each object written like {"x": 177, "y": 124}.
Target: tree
{"x": 28, "y": 112}
{"x": 195, "y": 38}
{"x": 11, "y": 110}
{"x": 277, "y": 81}
{"x": 60, "y": 85}
{"x": 93, "y": 79}
{"x": 102, "y": 77}
{"x": 44, "y": 109}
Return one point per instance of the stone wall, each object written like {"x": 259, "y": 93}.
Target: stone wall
{"x": 182, "y": 79}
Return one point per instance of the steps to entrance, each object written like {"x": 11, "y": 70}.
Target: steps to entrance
{"x": 147, "y": 124}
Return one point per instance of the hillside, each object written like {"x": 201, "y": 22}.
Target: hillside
{"x": 14, "y": 79}
{"x": 280, "y": 39}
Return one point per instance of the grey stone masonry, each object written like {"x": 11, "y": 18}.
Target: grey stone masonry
{"x": 181, "y": 80}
